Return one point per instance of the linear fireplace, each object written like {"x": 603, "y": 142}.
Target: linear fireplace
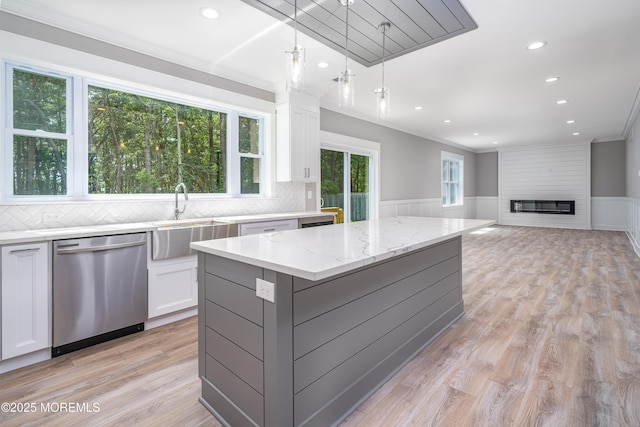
{"x": 560, "y": 207}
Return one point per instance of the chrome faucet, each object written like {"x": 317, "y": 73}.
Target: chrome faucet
{"x": 177, "y": 211}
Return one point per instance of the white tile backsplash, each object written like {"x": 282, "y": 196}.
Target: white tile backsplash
{"x": 289, "y": 197}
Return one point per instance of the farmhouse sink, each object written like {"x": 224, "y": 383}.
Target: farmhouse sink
{"x": 171, "y": 239}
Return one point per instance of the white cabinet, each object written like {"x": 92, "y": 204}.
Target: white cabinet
{"x": 298, "y": 139}
{"x": 173, "y": 285}
{"x": 267, "y": 226}
{"x": 26, "y": 299}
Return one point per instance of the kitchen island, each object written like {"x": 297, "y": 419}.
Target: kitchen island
{"x": 343, "y": 307}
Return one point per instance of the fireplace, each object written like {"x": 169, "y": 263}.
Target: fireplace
{"x": 558, "y": 207}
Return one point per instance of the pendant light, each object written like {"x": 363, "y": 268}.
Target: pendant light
{"x": 295, "y": 58}
{"x": 382, "y": 93}
{"x": 346, "y": 80}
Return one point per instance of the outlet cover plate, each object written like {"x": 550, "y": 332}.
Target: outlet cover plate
{"x": 266, "y": 290}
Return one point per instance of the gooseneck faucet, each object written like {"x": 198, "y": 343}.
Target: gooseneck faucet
{"x": 177, "y": 211}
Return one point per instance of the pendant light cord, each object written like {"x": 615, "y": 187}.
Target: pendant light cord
{"x": 295, "y": 24}
{"x": 384, "y": 38}
{"x": 346, "y": 44}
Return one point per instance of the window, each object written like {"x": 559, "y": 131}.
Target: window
{"x": 452, "y": 179}
{"x": 139, "y": 144}
{"x": 38, "y": 137}
{"x": 125, "y": 142}
{"x": 250, "y": 148}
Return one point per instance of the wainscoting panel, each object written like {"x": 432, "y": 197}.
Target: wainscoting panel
{"x": 428, "y": 208}
{"x": 633, "y": 223}
{"x": 609, "y": 213}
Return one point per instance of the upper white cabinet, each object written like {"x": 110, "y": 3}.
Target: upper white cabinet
{"x": 298, "y": 138}
{"x": 25, "y": 299}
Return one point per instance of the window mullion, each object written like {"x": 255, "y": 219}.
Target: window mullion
{"x": 233, "y": 154}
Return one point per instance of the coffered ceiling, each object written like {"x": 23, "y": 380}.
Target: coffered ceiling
{"x": 414, "y": 24}
{"x": 477, "y": 88}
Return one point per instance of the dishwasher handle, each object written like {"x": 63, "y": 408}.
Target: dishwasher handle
{"x": 74, "y": 249}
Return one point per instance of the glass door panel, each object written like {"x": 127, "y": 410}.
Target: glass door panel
{"x": 359, "y": 207}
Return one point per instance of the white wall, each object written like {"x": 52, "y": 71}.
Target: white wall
{"x": 547, "y": 173}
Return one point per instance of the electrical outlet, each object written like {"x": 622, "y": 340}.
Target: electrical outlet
{"x": 265, "y": 290}
{"x": 51, "y": 217}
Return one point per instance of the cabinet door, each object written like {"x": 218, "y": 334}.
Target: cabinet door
{"x": 25, "y": 299}
{"x": 313, "y": 146}
{"x": 298, "y": 127}
{"x": 172, "y": 287}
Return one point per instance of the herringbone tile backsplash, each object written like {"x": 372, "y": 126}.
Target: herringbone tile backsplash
{"x": 289, "y": 197}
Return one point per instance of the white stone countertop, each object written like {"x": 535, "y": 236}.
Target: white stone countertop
{"x": 320, "y": 252}
{"x": 44, "y": 234}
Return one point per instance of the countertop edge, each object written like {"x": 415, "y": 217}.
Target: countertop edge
{"x": 315, "y": 275}
{"x": 61, "y": 233}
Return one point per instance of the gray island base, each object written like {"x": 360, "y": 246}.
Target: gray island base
{"x": 324, "y": 346}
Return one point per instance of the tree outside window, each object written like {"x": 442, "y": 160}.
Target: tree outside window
{"x": 135, "y": 143}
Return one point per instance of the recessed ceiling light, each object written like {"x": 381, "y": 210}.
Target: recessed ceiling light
{"x": 495, "y": 142}
{"x": 570, "y": 122}
{"x": 323, "y": 64}
{"x": 536, "y": 45}
{"x": 417, "y": 108}
{"x": 476, "y": 134}
{"x": 575, "y": 133}
{"x": 561, "y": 101}
{"x": 551, "y": 79}
{"x": 447, "y": 121}
{"x": 209, "y": 13}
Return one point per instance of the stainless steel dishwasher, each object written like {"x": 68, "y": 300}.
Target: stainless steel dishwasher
{"x": 99, "y": 289}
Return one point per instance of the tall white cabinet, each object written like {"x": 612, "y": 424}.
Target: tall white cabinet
{"x": 25, "y": 299}
{"x": 298, "y": 137}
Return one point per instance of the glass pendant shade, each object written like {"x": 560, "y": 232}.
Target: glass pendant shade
{"x": 382, "y": 93}
{"x": 382, "y": 103}
{"x": 346, "y": 81}
{"x": 295, "y": 58}
{"x": 346, "y": 88}
{"x": 295, "y": 68}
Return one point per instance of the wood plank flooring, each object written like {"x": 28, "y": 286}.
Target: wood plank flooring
{"x": 550, "y": 337}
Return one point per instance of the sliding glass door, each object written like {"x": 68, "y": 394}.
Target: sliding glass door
{"x": 346, "y": 182}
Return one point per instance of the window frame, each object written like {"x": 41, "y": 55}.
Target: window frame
{"x": 350, "y": 145}
{"x": 77, "y": 137}
{"x": 459, "y": 159}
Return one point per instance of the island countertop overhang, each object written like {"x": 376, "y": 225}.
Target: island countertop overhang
{"x": 320, "y": 252}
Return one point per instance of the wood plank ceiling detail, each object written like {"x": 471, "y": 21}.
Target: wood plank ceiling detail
{"x": 414, "y": 24}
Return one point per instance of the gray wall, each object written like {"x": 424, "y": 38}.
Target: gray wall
{"x": 487, "y": 174}
{"x": 28, "y": 28}
{"x": 409, "y": 165}
{"x": 608, "y": 165}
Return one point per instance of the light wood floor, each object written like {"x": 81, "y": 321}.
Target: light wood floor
{"x": 550, "y": 337}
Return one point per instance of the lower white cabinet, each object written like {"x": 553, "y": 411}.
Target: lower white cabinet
{"x": 267, "y": 226}
{"x": 26, "y": 299}
{"x": 173, "y": 286}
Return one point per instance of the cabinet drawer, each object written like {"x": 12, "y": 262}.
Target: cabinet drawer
{"x": 268, "y": 226}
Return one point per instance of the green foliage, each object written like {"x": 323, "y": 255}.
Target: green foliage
{"x": 39, "y": 164}
{"x": 144, "y": 145}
